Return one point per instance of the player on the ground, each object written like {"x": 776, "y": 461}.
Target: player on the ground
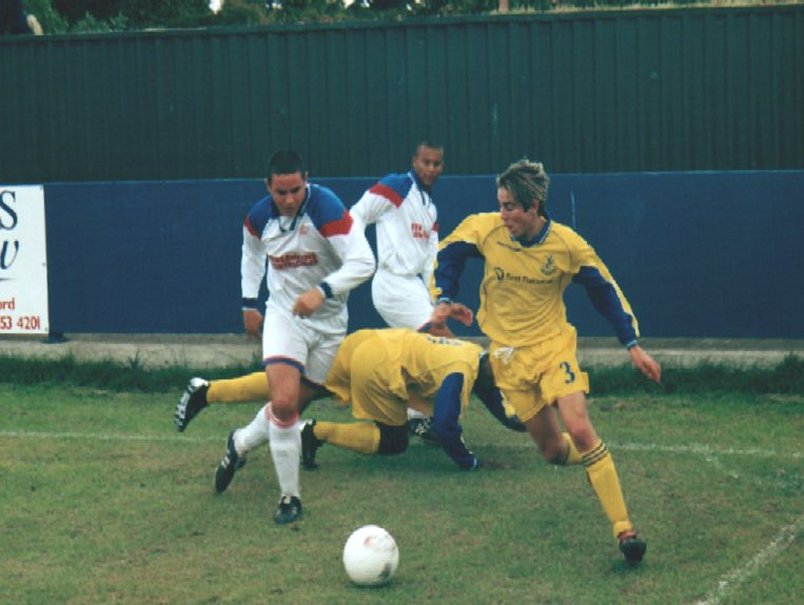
{"x": 529, "y": 260}
{"x": 378, "y": 372}
{"x": 406, "y": 219}
{"x": 315, "y": 255}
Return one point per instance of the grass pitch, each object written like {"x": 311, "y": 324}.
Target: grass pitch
{"x": 103, "y": 502}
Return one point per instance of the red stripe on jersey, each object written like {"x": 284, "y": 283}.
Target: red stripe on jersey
{"x": 388, "y": 193}
{"x": 435, "y": 227}
{"x": 340, "y": 227}
{"x": 247, "y": 225}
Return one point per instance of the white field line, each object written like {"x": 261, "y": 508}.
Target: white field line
{"x": 725, "y": 586}
{"x": 692, "y": 448}
{"x": 758, "y": 481}
{"x": 731, "y": 581}
{"x": 104, "y": 436}
{"x": 702, "y": 450}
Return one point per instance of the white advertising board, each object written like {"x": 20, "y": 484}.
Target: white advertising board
{"x": 23, "y": 261}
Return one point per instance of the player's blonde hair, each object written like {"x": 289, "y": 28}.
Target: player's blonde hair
{"x": 527, "y": 182}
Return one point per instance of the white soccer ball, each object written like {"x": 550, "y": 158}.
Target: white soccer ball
{"x": 370, "y": 556}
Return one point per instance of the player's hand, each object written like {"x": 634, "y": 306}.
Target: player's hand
{"x": 461, "y": 313}
{"x": 309, "y": 302}
{"x": 446, "y": 310}
{"x": 252, "y": 322}
{"x": 645, "y": 364}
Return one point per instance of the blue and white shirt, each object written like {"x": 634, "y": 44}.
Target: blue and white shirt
{"x": 321, "y": 246}
{"x": 406, "y": 220}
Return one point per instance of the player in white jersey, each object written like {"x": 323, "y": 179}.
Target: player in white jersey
{"x": 406, "y": 219}
{"x": 315, "y": 255}
{"x": 402, "y": 209}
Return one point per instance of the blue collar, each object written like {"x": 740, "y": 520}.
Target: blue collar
{"x": 540, "y": 236}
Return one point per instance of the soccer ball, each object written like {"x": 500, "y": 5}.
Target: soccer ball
{"x": 370, "y": 556}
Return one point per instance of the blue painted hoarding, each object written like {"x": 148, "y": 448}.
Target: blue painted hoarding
{"x": 697, "y": 254}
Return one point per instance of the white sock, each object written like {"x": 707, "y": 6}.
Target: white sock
{"x": 254, "y": 434}
{"x": 415, "y": 414}
{"x": 285, "y": 442}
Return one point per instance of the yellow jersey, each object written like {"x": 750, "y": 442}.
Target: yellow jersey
{"x": 412, "y": 361}
{"x": 379, "y": 370}
{"x": 522, "y": 289}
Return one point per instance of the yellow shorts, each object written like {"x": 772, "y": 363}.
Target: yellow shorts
{"x": 535, "y": 376}
{"x": 370, "y": 392}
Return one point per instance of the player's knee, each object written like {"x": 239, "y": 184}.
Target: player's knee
{"x": 393, "y": 439}
{"x": 284, "y": 410}
{"x": 583, "y": 436}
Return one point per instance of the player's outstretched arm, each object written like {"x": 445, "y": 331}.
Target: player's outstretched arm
{"x": 645, "y": 363}
{"x": 446, "y": 414}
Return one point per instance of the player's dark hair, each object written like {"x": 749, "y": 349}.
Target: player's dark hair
{"x": 527, "y": 182}
{"x": 285, "y": 161}
{"x": 429, "y": 144}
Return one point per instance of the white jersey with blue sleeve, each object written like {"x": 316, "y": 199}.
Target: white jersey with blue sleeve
{"x": 407, "y": 242}
{"x": 407, "y": 224}
{"x": 320, "y": 246}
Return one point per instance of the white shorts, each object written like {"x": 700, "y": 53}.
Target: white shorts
{"x": 403, "y": 301}
{"x": 307, "y": 344}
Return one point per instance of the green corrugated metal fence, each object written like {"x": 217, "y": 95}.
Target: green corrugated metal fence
{"x": 691, "y": 89}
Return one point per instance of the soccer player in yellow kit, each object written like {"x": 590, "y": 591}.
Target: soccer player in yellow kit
{"x": 529, "y": 261}
{"x": 379, "y": 371}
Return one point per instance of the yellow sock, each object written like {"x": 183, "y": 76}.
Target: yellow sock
{"x": 573, "y": 455}
{"x": 603, "y": 477}
{"x": 248, "y": 388}
{"x": 363, "y": 437}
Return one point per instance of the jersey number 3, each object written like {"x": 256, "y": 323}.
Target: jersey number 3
{"x": 568, "y": 369}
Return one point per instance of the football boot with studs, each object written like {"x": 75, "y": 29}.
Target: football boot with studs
{"x": 192, "y": 401}
{"x": 632, "y": 546}
{"x": 423, "y": 429}
{"x": 290, "y": 509}
{"x": 228, "y": 466}
{"x": 309, "y": 445}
